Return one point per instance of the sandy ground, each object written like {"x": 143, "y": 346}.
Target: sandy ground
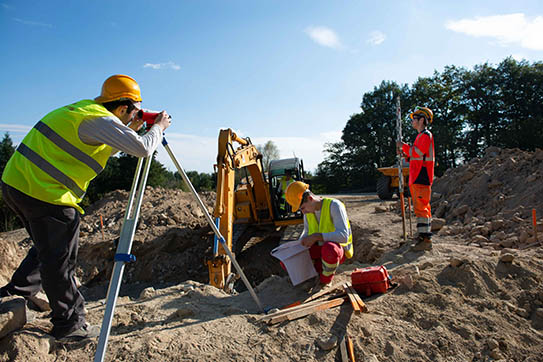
{"x": 460, "y": 301}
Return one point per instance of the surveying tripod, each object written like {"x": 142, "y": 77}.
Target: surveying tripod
{"x": 124, "y": 247}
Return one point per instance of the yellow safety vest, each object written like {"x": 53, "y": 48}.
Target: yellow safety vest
{"x": 52, "y": 164}
{"x": 285, "y": 183}
{"x": 326, "y": 225}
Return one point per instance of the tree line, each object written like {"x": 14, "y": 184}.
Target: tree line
{"x": 117, "y": 175}
{"x": 473, "y": 109}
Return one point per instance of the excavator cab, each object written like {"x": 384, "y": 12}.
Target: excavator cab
{"x": 246, "y": 195}
{"x": 282, "y": 173}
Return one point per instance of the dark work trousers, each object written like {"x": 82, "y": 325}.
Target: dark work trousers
{"x": 51, "y": 262}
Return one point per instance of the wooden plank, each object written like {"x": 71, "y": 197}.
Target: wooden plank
{"x": 350, "y": 349}
{"x": 296, "y": 306}
{"x": 321, "y": 293}
{"x": 352, "y": 299}
{"x": 288, "y": 310}
{"x": 309, "y": 310}
{"x": 292, "y": 310}
{"x": 343, "y": 350}
{"x": 298, "y": 302}
{"x": 317, "y": 308}
{"x": 361, "y": 303}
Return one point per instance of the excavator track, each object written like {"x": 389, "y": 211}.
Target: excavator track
{"x": 291, "y": 232}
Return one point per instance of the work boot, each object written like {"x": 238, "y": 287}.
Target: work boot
{"x": 83, "y": 332}
{"x": 424, "y": 243}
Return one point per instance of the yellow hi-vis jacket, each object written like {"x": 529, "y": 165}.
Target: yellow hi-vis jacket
{"x": 326, "y": 225}
{"x": 52, "y": 164}
{"x": 285, "y": 183}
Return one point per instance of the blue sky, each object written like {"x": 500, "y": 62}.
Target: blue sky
{"x": 288, "y": 71}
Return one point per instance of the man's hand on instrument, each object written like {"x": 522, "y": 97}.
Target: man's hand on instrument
{"x": 399, "y": 145}
{"x": 136, "y": 124}
{"x": 163, "y": 120}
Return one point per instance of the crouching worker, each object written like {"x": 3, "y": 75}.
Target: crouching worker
{"x": 327, "y": 231}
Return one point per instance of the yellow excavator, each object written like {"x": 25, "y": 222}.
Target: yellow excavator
{"x": 246, "y": 194}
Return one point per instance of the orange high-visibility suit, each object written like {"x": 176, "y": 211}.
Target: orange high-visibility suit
{"x": 421, "y": 175}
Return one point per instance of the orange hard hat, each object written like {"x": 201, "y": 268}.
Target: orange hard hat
{"x": 294, "y": 194}
{"x": 425, "y": 112}
{"x": 117, "y": 87}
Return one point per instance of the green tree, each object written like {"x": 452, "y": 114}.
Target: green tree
{"x": 521, "y": 123}
{"x": 269, "y": 152}
{"x": 119, "y": 174}
{"x": 473, "y": 109}
{"x": 202, "y": 181}
{"x": 6, "y": 150}
{"x": 483, "y": 109}
{"x": 370, "y": 136}
{"x": 7, "y": 216}
{"x": 443, "y": 94}
{"x": 333, "y": 174}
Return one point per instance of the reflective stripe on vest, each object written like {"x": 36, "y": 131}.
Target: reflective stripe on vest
{"x": 51, "y": 170}
{"x": 52, "y": 164}
{"x": 68, "y": 147}
{"x": 326, "y": 225}
{"x": 419, "y": 155}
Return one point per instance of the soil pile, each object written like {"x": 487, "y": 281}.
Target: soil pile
{"x": 489, "y": 200}
{"x": 170, "y": 244}
{"x": 457, "y": 302}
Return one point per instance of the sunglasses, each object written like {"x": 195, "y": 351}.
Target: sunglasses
{"x": 415, "y": 117}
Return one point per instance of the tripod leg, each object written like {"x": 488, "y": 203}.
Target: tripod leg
{"x": 409, "y": 209}
{"x": 212, "y": 224}
{"x": 123, "y": 252}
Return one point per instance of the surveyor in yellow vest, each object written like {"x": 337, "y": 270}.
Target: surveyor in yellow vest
{"x": 46, "y": 178}
{"x": 284, "y": 182}
{"x": 327, "y": 231}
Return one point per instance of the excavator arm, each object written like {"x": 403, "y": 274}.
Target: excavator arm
{"x": 251, "y": 203}
{"x": 248, "y": 202}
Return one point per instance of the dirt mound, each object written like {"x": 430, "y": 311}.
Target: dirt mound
{"x": 13, "y": 248}
{"x": 467, "y": 299}
{"x": 489, "y": 200}
{"x": 480, "y": 310}
{"x": 170, "y": 244}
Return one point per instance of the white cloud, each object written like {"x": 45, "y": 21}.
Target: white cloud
{"x": 324, "y": 36}
{"x": 33, "y": 23}
{"x": 200, "y": 153}
{"x": 506, "y": 29}
{"x": 14, "y": 128}
{"x": 376, "y": 37}
{"x": 167, "y": 65}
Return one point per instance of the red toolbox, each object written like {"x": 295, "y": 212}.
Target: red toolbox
{"x": 371, "y": 280}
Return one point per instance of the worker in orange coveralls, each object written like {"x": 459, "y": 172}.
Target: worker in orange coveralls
{"x": 327, "y": 231}
{"x": 421, "y": 174}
